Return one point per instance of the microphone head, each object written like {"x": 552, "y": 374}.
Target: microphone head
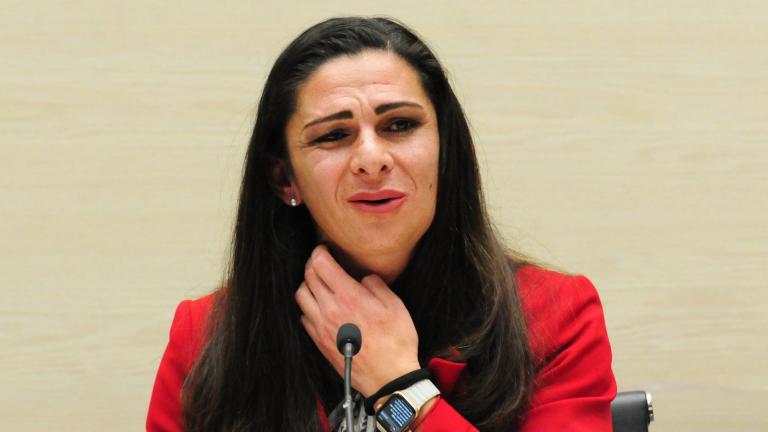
{"x": 349, "y": 333}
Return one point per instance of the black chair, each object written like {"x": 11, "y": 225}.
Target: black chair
{"x": 632, "y": 411}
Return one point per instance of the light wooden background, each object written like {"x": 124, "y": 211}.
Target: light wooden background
{"x": 623, "y": 140}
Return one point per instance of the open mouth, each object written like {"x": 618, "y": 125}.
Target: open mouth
{"x": 378, "y": 202}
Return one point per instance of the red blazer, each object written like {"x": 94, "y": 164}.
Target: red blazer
{"x": 573, "y": 388}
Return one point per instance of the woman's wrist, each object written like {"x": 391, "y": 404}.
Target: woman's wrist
{"x": 400, "y": 383}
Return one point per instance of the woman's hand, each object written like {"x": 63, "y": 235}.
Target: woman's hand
{"x": 329, "y": 297}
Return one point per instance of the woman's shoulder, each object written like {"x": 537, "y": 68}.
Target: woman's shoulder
{"x": 188, "y": 328}
{"x": 197, "y": 309}
{"x": 558, "y": 307}
{"x": 571, "y": 351}
{"x": 185, "y": 341}
{"x": 540, "y": 287}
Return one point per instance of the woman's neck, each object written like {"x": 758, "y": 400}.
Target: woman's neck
{"x": 387, "y": 266}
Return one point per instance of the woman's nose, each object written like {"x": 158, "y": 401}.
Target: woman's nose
{"x": 371, "y": 156}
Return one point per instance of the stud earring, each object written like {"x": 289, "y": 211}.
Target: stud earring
{"x": 294, "y": 203}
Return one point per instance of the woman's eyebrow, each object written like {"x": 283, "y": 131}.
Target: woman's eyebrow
{"x": 338, "y": 116}
{"x": 390, "y": 106}
{"x": 348, "y": 114}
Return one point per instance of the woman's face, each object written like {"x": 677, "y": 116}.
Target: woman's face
{"x": 364, "y": 149}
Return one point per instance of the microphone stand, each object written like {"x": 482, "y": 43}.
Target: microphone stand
{"x": 348, "y": 353}
{"x": 348, "y": 341}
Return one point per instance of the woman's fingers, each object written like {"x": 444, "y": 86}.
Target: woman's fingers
{"x": 378, "y": 288}
{"x": 320, "y": 290}
{"x": 313, "y": 320}
{"x": 307, "y": 302}
{"x": 310, "y": 328}
{"x": 329, "y": 271}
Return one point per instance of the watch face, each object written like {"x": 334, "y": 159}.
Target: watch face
{"x": 396, "y": 414}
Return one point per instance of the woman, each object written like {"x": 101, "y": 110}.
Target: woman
{"x": 361, "y": 203}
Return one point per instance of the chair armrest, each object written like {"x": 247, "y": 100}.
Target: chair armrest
{"x": 632, "y": 411}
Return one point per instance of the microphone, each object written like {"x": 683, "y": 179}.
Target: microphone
{"x": 348, "y": 341}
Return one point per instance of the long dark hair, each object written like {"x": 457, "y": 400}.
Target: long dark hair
{"x": 259, "y": 370}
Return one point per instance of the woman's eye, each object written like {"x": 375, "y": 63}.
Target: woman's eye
{"x": 333, "y": 136}
{"x": 402, "y": 125}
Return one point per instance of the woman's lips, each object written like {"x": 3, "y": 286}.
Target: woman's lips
{"x": 377, "y": 202}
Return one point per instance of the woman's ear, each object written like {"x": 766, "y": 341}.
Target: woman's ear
{"x": 282, "y": 184}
